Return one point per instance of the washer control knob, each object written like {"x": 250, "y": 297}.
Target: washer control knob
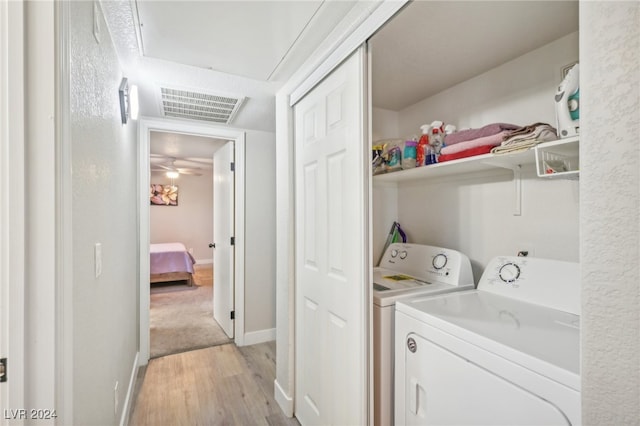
{"x": 509, "y": 272}
{"x": 394, "y": 253}
{"x": 403, "y": 254}
{"x": 439, "y": 261}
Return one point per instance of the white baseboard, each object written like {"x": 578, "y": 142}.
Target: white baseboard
{"x": 126, "y": 406}
{"x": 284, "y": 401}
{"x": 261, "y": 336}
{"x": 203, "y": 262}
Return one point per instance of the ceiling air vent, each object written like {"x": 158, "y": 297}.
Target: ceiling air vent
{"x": 199, "y": 106}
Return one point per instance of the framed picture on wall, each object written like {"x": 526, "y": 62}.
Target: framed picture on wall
{"x": 163, "y": 195}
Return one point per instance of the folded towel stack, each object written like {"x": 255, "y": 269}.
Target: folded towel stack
{"x": 476, "y": 146}
{"x": 479, "y": 150}
{"x": 526, "y": 137}
{"x": 497, "y": 138}
{"x": 471, "y": 134}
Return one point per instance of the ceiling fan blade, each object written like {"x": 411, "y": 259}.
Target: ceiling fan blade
{"x": 156, "y": 160}
{"x": 169, "y": 168}
{"x": 191, "y": 173}
{"x": 197, "y": 160}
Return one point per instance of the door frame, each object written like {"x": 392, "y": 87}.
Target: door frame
{"x": 12, "y": 208}
{"x": 145, "y": 127}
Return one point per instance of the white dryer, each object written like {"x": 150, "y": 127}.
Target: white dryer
{"x": 407, "y": 270}
{"x": 507, "y": 353}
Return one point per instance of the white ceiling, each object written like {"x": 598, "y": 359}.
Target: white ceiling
{"x": 254, "y": 47}
{"x": 228, "y": 48}
{"x": 248, "y": 39}
{"x": 185, "y": 147}
{"x": 432, "y": 45}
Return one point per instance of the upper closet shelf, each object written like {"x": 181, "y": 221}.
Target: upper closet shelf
{"x": 563, "y": 149}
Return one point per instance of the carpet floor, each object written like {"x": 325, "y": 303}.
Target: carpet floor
{"x": 181, "y": 316}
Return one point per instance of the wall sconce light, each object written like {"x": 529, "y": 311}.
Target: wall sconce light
{"x": 129, "y": 107}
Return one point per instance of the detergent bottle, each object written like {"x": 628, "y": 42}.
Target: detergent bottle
{"x": 423, "y": 144}
{"x": 409, "y": 154}
{"x": 393, "y": 156}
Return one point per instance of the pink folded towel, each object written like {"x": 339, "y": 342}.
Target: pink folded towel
{"x": 490, "y": 141}
{"x": 471, "y": 134}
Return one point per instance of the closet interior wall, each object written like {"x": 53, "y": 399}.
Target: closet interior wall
{"x": 474, "y": 213}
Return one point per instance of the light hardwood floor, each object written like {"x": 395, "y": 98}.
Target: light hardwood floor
{"x": 221, "y": 385}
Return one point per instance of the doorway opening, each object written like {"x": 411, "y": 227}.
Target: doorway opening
{"x": 181, "y": 232}
{"x": 148, "y": 130}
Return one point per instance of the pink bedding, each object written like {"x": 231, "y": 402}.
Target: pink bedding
{"x": 170, "y": 257}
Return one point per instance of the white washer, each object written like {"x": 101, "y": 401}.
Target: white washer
{"x": 507, "y": 353}
{"x": 407, "y": 270}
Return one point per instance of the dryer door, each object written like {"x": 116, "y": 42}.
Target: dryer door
{"x": 442, "y": 388}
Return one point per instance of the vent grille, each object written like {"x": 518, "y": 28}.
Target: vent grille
{"x": 199, "y": 106}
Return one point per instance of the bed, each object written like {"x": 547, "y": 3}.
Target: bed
{"x": 171, "y": 262}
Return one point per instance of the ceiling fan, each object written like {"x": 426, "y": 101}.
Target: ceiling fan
{"x": 175, "y": 166}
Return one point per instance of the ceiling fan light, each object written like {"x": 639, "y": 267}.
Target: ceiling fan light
{"x": 172, "y": 174}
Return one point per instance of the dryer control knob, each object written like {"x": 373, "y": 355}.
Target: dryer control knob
{"x": 394, "y": 253}
{"x": 403, "y": 254}
{"x": 509, "y": 272}
{"x": 439, "y": 261}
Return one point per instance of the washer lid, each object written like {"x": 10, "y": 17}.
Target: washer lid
{"x": 390, "y": 286}
{"x": 541, "y": 339}
{"x": 393, "y": 280}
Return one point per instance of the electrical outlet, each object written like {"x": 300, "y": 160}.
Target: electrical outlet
{"x": 98, "y": 259}
{"x": 526, "y": 250}
{"x": 116, "y": 398}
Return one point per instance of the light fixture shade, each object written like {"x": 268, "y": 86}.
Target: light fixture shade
{"x": 172, "y": 174}
{"x": 123, "y": 93}
{"x": 129, "y": 107}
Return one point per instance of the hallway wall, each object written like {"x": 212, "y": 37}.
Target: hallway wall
{"x": 104, "y": 208}
{"x": 260, "y": 237}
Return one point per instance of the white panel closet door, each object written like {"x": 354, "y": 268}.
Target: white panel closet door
{"x": 331, "y": 292}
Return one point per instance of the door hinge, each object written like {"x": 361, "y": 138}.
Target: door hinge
{"x": 3, "y": 370}
{"x": 233, "y": 314}
{"x": 233, "y": 166}
{"x": 233, "y": 241}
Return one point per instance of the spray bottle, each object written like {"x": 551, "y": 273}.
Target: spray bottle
{"x": 423, "y": 146}
{"x": 436, "y": 136}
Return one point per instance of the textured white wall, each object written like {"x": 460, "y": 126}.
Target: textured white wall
{"x": 474, "y": 215}
{"x": 104, "y": 161}
{"x": 610, "y": 211}
{"x": 260, "y": 232}
{"x": 520, "y": 91}
{"x": 384, "y": 124}
{"x": 191, "y": 221}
